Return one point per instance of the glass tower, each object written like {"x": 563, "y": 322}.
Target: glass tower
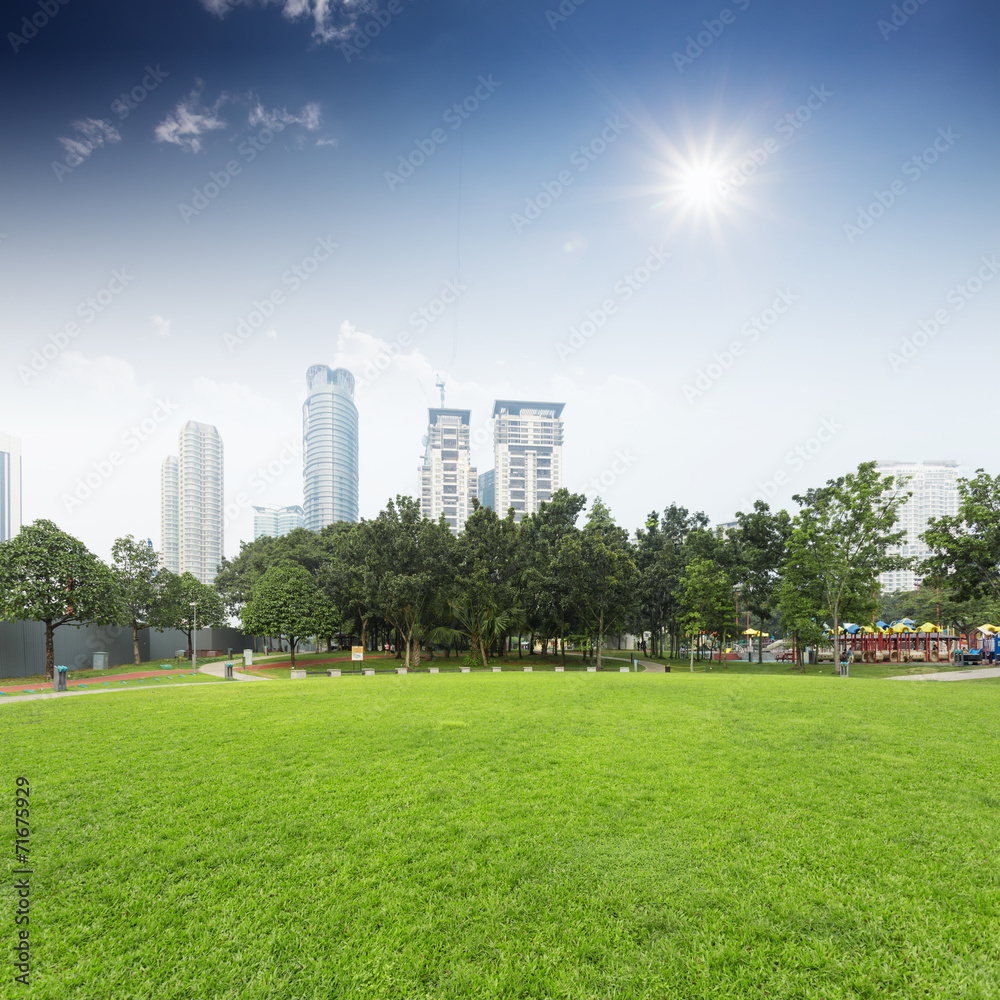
{"x": 10, "y": 486}
{"x": 329, "y": 448}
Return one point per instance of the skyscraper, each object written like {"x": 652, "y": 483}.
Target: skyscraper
{"x": 934, "y": 486}
{"x": 487, "y": 488}
{"x": 276, "y": 521}
{"x": 196, "y": 517}
{"x": 10, "y": 486}
{"x": 170, "y": 530}
{"x": 448, "y": 481}
{"x": 329, "y": 447}
{"x": 527, "y": 454}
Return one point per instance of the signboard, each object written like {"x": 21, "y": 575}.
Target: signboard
{"x": 357, "y": 652}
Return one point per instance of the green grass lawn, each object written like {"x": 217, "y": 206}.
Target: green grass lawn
{"x": 547, "y": 835}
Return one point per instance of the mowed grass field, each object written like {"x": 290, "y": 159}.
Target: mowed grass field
{"x": 512, "y": 835}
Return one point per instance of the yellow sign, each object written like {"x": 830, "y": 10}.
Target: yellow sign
{"x": 357, "y": 652}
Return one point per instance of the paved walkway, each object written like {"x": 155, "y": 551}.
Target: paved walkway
{"x": 98, "y": 679}
{"x": 219, "y": 670}
{"x": 102, "y": 690}
{"x": 951, "y": 675}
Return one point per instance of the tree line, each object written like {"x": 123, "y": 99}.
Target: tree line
{"x": 400, "y": 577}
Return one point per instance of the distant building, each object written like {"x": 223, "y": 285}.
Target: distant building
{"x": 191, "y": 504}
{"x": 10, "y": 486}
{"x": 488, "y": 488}
{"x": 448, "y": 481}
{"x": 330, "y": 448}
{"x": 527, "y": 453}
{"x": 170, "y": 528}
{"x": 934, "y": 485}
{"x": 276, "y": 521}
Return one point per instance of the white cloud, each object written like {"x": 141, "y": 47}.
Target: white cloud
{"x": 279, "y": 118}
{"x": 186, "y": 124}
{"x": 190, "y": 120}
{"x": 160, "y": 324}
{"x": 326, "y": 142}
{"x": 333, "y": 20}
{"x": 93, "y": 133}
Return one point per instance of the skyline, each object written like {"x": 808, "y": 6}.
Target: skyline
{"x": 764, "y": 242}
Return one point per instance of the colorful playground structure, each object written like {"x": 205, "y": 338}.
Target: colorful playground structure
{"x": 906, "y": 642}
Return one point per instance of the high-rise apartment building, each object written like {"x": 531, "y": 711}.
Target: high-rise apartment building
{"x": 196, "y": 517}
{"x": 277, "y": 521}
{"x": 329, "y": 447}
{"x": 488, "y": 488}
{"x": 934, "y": 486}
{"x": 10, "y": 486}
{"x": 448, "y": 481}
{"x": 170, "y": 529}
{"x": 527, "y": 453}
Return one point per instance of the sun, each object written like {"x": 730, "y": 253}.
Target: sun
{"x": 700, "y": 186}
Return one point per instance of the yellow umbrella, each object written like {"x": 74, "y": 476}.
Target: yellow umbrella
{"x": 752, "y": 631}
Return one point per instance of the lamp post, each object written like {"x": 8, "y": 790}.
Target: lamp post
{"x": 194, "y": 638}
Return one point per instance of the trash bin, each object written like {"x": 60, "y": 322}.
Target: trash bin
{"x": 229, "y": 671}
{"x": 59, "y": 679}
{"x": 100, "y": 661}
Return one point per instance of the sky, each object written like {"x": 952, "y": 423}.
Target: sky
{"x": 748, "y": 245}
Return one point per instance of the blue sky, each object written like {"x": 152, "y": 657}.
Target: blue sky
{"x": 777, "y": 224}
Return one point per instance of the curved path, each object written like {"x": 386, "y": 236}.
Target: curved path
{"x": 951, "y": 675}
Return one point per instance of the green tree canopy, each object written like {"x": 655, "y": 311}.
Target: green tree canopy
{"x": 178, "y": 596}
{"x": 49, "y": 576}
{"x": 966, "y": 546}
{"x": 840, "y": 542}
{"x": 135, "y": 567}
{"x": 287, "y": 602}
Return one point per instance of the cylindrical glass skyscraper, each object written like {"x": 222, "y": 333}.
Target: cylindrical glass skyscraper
{"x": 329, "y": 447}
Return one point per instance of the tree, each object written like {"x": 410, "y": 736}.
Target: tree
{"x": 135, "y": 569}
{"x": 598, "y": 563}
{"x": 759, "y": 545}
{"x": 49, "y": 576}
{"x": 840, "y": 542}
{"x": 286, "y": 602}
{"x": 966, "y": 546}
{"x": 484, "y": 605}
{"x": 416, "y": 559}
{"x": 179, "y": 594}
{"x": 707, "y": 602}
{"x": 546, "y": 593}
